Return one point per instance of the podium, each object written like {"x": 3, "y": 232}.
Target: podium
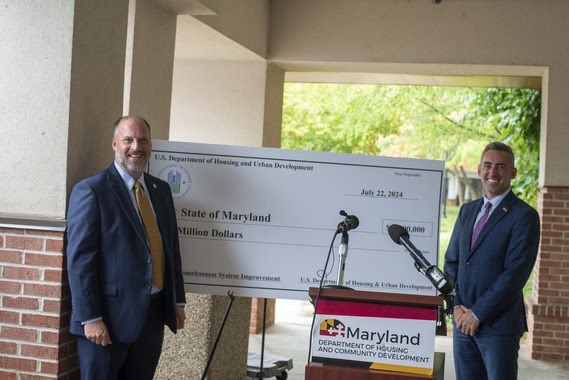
{"x": 361, "y": 335}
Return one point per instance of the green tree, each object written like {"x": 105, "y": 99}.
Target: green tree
{"x": 445, "y": 123}
{"x": 337, "y": 118}
{"x": 514, "y": 116}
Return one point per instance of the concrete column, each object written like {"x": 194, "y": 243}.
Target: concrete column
{"x": 237, "y": 103}
{"x": 219, "y": 102}
{"x": 185, "y": 355}
{"x": 149, "y": 64}
{"x": 274, "y": 87}
{"x": 97, "y": 81}
{"x": 61, "y": 88}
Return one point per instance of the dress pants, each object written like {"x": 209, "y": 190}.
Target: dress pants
{"x": 485, "y": 357}
{"x": 126, "y": 361}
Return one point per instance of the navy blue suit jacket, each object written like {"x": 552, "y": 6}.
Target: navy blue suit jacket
{"x": 108, "y": 258}
{"x": 489, "y": 278}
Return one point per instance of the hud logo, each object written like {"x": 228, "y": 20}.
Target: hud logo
{"x": 178, "y": 178}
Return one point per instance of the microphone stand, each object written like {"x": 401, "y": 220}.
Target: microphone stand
{"x": 344, "y": 227}
{"x": 443, "y": 311}
{"x": 343, "y": 253}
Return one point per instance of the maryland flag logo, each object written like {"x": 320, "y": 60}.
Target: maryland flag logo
{"x": 332, "y": 327}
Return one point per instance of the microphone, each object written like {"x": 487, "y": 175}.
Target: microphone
{"x": 438, "y": 278}
{"x": 350, "y": 222}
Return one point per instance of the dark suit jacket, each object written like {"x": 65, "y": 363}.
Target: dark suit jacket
{"x": 489, "y": 278}
{"x": 108, "y": 258}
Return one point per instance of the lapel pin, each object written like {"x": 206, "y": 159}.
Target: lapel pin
{"x": 505, "y": 209}
{"x": 154, "y": 186}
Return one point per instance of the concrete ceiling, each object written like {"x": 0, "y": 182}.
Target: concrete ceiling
{"x": 189, "y": 7}
{"x": 414, "y": 74}
{"x": 198, "y": 42}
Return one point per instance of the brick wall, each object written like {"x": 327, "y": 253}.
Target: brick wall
{"x": 257, "y": 307}
{"x": 548, "y": 311}
{"x": 35, "y": 304}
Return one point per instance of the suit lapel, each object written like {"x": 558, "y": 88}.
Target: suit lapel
{"x": 502, "y": 209}
{"x": 121, "y": 192}
{"x": 472, "y": 219}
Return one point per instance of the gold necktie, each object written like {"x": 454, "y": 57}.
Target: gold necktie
{"x": 152, "y": 234}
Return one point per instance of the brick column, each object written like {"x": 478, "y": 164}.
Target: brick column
{"x": 548, "y": 311}
{"x": 257, "y": 307}
{"x": 35, "y": 304}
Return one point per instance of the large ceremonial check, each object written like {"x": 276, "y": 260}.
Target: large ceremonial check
{"x": 259, "y": 221}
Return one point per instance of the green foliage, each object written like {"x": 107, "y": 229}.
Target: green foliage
{"x": 337, "y": 118}
{"x": 431, "y": 129}
{"x": 514, "y": 116}
{"x": 446, "y": 123}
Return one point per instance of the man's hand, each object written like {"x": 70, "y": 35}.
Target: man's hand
{"x": 180, "y": 317}
{"x": 466, "y": 321}
{"x": 457, "y": 314}
{"x": 97, "y": 333}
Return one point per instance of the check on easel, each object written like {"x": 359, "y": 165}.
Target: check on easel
{"x": 259, "y": 221}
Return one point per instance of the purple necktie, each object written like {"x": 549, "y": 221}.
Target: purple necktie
{"x": 480, "y": 223}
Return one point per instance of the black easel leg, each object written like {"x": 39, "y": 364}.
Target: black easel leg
{"x": 263, "y": 337}
{"x": 231, "y": 299}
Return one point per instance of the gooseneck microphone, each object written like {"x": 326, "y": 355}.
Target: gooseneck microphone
{"x": 438, "y": 278}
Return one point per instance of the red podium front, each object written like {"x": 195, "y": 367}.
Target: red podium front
{"x": 372, "y": 335}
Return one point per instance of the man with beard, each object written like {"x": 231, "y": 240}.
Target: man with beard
{"x": 490, "y": 256}
{"x": 123, "y": 261}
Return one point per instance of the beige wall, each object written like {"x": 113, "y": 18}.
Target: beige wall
{"x": 96, "y": 90}
{"x": 62, "y": 71}
{"x": 245, "y": 22}
{"x": 34, "y": 105}
{"x": 272, "y": 123}
{"x": 222, "y": 99}
{"x": 150, "y": 61}
{"x": 502, "y": 33}
{"x": 218, "y": 102}
{"x": 418, "y": 31}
